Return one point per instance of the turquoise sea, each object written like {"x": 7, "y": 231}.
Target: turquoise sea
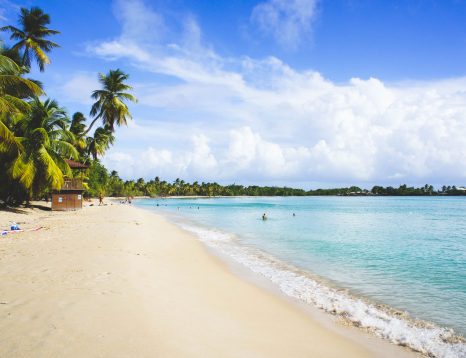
{"x": 393, "y": 265}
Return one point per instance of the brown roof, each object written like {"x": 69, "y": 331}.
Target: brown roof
{"x": 76, "y": 165}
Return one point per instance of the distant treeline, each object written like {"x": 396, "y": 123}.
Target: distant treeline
{"x": 110, "y": 184}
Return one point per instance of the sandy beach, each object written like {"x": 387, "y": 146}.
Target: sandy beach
{"x": 117, "y": 281}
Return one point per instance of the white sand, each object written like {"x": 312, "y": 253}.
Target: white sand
{"x": 117, "y": 281}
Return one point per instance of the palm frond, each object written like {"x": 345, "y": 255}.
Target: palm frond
{"x": 11, "y": 104}
{"x": 24, "y": 170}
{"x": 53, "y": 173}
{"x": 65, "y": 149}
{"x": 8, "y": 142}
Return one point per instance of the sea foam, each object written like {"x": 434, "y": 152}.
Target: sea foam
{"x": 387, "y": 323}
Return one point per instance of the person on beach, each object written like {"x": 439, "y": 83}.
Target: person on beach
{"x": 101, "y": 200}
{"x": 264, "y": 217}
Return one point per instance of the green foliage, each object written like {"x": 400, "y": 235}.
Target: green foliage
{"x": 98, "y": 144}
{"x": 36, "y": 161}
{"x": 110, "y": 104}
{"x": 14, "y": 89}
{"x": 31, "y": 37}
{"x": 98, "y": 180}
{"x": 36, "y": 136}
{"x": 116, "y": 187}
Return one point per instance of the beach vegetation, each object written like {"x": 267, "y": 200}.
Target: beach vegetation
{"x": 117, "y": 187}
{"x": 110, "y": 100}
{"x": 37, "y": 135}
{"x": 32, "y": 37}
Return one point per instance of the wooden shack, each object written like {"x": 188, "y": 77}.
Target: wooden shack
{"x": 70, "y": 197}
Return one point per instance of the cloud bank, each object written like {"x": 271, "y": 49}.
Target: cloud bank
{"x": 210, "y": 117}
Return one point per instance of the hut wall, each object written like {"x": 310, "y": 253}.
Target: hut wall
{"x": 67, "y": 201}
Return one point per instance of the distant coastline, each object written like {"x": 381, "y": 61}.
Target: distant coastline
{"x": 117, "y": 187}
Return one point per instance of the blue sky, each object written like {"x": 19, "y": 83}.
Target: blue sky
{"x": 300, "y": 92}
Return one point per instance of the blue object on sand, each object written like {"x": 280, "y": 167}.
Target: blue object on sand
{"x": 14, "y": 226}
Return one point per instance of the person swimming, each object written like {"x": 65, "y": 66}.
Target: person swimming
{"x": 264, "y": 216}
{"x": 294, "y": 214}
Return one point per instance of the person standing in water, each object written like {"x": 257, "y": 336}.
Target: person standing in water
{"x": 264, "y": 217}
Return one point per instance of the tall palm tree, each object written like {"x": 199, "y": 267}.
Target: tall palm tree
{"x": 32, "y": 36}
{"x": 110, "y": 103}
{"x": 45, "y": 143}
{"x": 101, "y": 140}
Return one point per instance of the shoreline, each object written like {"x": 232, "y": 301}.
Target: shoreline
{"x": 303, "y": 287}
{"x": 118, "y": 280}
{"x": 337, "y": 305}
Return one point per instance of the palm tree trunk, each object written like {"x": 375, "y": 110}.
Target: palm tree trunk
{"x": 24, "y": 57}
{"x": 89, "y": 128}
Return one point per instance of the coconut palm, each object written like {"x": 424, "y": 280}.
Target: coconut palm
{"x": 78, "y": 124}
{"x": 98, "y": 144}
{"x": 44, "y": 140}
{"x": 110, "y": 103}
{"x": 77, "y": 128}
{"x": 32, "y": 36}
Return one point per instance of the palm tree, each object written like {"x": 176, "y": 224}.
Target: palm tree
{"x": 100, "y": 142}
{"x": 110, "y": 103}
{"x": 31, "y": 37}
{"x": 77, "y": 128}
{"x": 44, "y": 140}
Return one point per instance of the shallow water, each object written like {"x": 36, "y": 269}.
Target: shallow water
{"x": 405, "y": 252}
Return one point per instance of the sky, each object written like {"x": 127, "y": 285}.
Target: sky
{"x": 305, "y": 93}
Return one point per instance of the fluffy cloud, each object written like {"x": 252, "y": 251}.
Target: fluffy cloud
{"x": 287, "y": 21}
{"x": 79, "y": 87}
{"x": 246, "y": 119}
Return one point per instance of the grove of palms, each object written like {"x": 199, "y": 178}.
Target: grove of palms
{"x": 36, "y": 134}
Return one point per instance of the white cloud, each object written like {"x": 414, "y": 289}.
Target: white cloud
{"x": 139, "y": 21}
{"x": 80, "y": 87}
{"x": 246, "y": 119}
{"x": 287, "y": 21}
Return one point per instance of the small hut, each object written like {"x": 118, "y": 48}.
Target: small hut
{"x": 70, "y": 197}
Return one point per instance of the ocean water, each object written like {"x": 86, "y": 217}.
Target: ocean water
{"x": 393, "y": 265}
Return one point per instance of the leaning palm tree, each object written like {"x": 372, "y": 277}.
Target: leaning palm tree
{"x": 31, "y": 37}
{"x": 98, "y": 144}
{"x": 110, "y": 103}
{"x": 44, "y": 139}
